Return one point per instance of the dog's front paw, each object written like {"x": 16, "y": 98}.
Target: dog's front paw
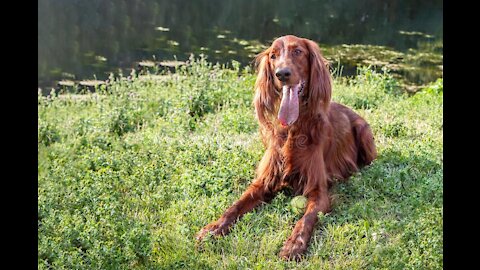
{"x": 217, "y": 228}
{"x": 293, "y": 248}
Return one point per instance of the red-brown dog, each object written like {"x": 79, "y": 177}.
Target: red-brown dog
{"x": 310, "y": 142}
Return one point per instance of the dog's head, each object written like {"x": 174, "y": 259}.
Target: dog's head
{"x": 293, "y": 79}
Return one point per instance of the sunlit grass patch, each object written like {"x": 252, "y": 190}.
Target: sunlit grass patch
{"x": 129, "y": 174}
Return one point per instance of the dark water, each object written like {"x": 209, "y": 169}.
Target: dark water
{"x": 80, "y": 39}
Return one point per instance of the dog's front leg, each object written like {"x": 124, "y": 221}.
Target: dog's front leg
{"x": 317, "y": 201}
{"x": 297, "y": 243}
{"x": 255, "y": 194}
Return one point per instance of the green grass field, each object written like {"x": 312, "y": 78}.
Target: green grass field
{"x": 128, "y": 175}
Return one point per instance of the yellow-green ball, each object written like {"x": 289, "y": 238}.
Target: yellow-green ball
{"x": 299, "y": 203}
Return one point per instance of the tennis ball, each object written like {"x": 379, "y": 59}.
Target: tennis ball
{"x": 299, "y": 203}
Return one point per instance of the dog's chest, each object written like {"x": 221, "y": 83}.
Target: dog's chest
{"x": 290, "y": 147}
{"x": 289, "y": 142}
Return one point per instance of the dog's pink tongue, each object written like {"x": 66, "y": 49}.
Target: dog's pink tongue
{"x": 288, "y": 112}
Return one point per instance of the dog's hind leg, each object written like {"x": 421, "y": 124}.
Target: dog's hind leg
{"x": 367, "y": 151}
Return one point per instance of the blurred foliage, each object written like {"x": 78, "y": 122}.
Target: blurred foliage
{"x": 82, "y": 38}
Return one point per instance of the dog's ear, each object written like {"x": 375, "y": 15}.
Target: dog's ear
{"x": 320, "y": 82}
{"x": 264, "y": 89}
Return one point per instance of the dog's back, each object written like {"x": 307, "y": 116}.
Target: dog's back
{"x": 352, "y": 137}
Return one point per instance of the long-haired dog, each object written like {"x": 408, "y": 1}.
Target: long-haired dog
{"x": 310, "y": 141}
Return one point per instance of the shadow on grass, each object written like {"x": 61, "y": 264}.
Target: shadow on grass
{"x": 387, "y": 196}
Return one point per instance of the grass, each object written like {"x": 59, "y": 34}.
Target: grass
{"x": 128, "y": 175}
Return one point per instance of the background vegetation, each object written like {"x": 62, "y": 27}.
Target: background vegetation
{"x": 129, "y": 174}
{"x": 72, "y": 35}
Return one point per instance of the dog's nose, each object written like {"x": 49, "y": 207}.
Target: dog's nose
{"x": 283, "y": 73}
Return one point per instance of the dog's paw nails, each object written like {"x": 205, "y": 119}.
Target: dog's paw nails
{"x": 290, "y": 255}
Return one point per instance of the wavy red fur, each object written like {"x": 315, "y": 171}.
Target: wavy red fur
{"x": 327, "y": 142}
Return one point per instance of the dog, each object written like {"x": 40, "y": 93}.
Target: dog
{"x": 311, "y": 142}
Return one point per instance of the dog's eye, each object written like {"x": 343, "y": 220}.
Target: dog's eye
{"x": 273, "y": 56}
{"x": 297, "y": 52}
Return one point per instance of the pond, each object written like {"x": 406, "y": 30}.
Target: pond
{"x": 87, "y": 40}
